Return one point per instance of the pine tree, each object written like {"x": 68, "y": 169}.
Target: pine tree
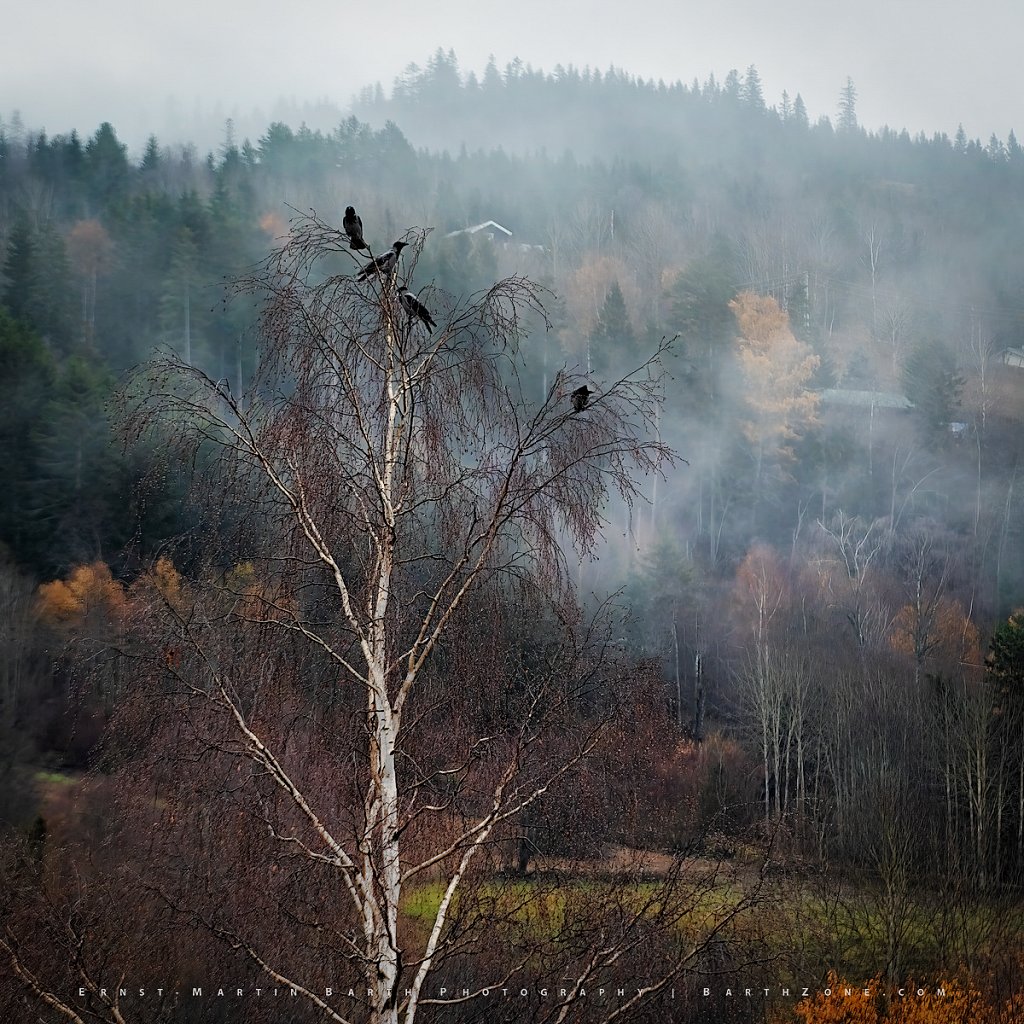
{"x": 931, "y": 382}
{"x": 27, "y": 371}
{"x": 17, "y": 271}
{"x": 732, "y": 88}
{"x": 699, "y": 312}
{"x": 151, "y": 158}
{"x": 751, "y": 92}
{"x": 847, "y": 122}
{"x": 38, "y": 290}
{"x": 1013, "y": 150}
{"x": 613, "y": 340}
{"x": 80, "y": 487}
{"x": 800, "y": 118}
{"x": 106, "y": 165}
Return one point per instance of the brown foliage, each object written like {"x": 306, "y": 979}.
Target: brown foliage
{"x": 943, "y": 631}
{"x": 88, "y": 592}
{"x": 89, "y": 247}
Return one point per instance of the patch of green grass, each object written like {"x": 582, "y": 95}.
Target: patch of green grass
{"x": 422, "y": 902}
{"x": 56, "y": 778}
{"x": 542, "y": 908}
{"x": 786, "y": 920}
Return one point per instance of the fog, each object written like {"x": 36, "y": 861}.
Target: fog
{"x": 180, "y": 70}
{"x": 795, "y": 649}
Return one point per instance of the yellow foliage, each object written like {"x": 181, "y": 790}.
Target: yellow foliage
{"x": 242, "y": 579}
{"x": 776, "y": 368}
{"x": 839, "y": 1008}
{"x": 89, "y": 588}
{"x": 944, "y": 1002}
{"x": 585, "y": 291}
{"x": 957, "y": 1005}
{"x": 760, "y": 319}
{"x": 1013, "y": 1011}
{"x": 167, "y": 581}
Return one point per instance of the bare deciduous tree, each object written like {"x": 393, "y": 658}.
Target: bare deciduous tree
{"x": 388, "y": 478}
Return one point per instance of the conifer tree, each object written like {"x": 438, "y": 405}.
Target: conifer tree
{"x": 847, "y": 108}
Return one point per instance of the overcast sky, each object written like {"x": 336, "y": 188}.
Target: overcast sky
{"x": 153, "y": 67}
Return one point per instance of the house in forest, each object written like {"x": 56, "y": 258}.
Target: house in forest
{"x": 868, "y": 400}
{"x": 495, "y": 232}
{"x": 491, "y": 229}
{"x": 1012, "y": 357}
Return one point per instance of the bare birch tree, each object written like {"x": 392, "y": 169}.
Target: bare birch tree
{"x": 387, "y": 479}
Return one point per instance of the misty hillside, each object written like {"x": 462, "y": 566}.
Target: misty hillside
{"x": 645, "y": 208}
{"x": 810, "y": 665}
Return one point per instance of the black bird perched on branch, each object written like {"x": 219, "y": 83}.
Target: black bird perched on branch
{"x": 581, "y": 398}
{"x": 383, "y": 264}
{"x": 414, "y": 307}
{"x": 353, "y": 225}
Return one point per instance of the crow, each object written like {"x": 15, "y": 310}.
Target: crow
{"x": 581, "y": 398}
{"x": 353, "y": 225}
{"x": 414, "y": 307}
{"x": 383, "y": 264}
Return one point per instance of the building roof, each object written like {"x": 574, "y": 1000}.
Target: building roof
{"x": 491, "y": 226}
{"x": 866, "y": 399}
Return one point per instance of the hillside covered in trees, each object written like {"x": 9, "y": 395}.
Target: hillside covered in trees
{"x": 817, "y": 650}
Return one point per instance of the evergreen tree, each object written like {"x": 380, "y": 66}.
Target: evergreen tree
{"x": 80, "y": 487}
{"x": 847, "y": 108}
{"x": 800, "y": 118}
{"x": 151, "y": 158}
{"x": 699, "y": 312}
{"x": 27, "y": 371}
{"x": 17, "y": 271}
{"x": 613, "y": 341}
{"x": 106, "y": 165}
{"x": 994, "y": 150}
{"x": 38, "y": 283}
{"x": 931, "y": 382}
{"x": 732, "y": 88}
{"x": 751, "y": 92}
{"x": 1013, "y": 149}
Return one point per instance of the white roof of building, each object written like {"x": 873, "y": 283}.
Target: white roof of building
{"x": 493, "y": 225}
{"x": 866, "y": 399}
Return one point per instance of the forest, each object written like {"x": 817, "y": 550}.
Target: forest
{"x": 361, "y": 663}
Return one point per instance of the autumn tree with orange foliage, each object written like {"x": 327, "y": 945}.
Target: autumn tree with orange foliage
{"x": 875, "y": 1001}
{"x": 90, "y": 595}
{"x": 940, "y": 630}
{"x": 776, "y": 369}
{"x": 85, "y": 614}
